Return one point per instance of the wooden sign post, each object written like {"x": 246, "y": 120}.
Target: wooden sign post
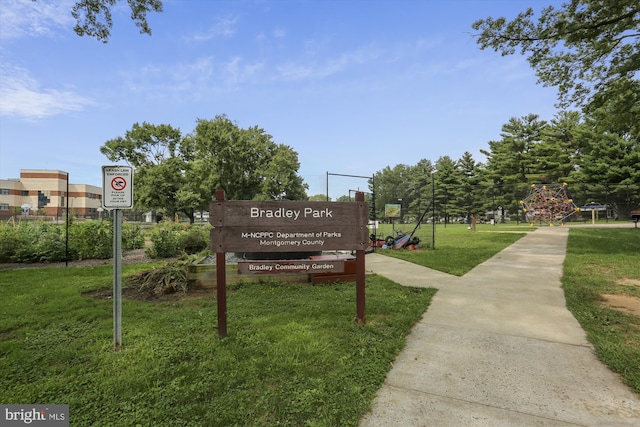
{"x": 287, "y": 226}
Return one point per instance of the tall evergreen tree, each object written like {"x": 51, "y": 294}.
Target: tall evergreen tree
{"x": 511, "y": 163}
{"x": 421, "y": 177}
{"x": 469, "y": 196}
{"x": 556, "y": 154}
{"x": 510, "y": 160}
{"x": 448, "y": 179}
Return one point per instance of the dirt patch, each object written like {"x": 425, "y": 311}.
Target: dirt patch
{"x": 624, "y": 303}
{"x": 135, "y": 256}
{"x": 194, "y": 292}
{"x": 629, "y": 282}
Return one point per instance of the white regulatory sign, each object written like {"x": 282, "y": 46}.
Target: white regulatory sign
{"x": 117, "y": 187}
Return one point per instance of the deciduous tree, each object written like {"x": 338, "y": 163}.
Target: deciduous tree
{"x": 94, "y": 18}
{"x": 588, "y": 49}
{"x": 246, "y": 163}
{"x": 155, "y": 151}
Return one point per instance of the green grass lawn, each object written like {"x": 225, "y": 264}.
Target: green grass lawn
{"x": 606, "y": 262}
{"x": 294, "y": 355}
{"x": 457, "y": 250}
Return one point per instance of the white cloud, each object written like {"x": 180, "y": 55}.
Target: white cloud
{"x": 312, "y": 68}
{"x": 27, "y": 18}
{"x": 191, "y": 80}
{"x": 238, "y": 71}
{"x": 223, "y": 28}
{"x": 21, "y": 96}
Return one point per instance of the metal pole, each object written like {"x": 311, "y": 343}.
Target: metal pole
{"x": 327, "y": 184}
{"x": 66, "y": 243}
{"x": 375, "y": 215}
{"x": 117, "y": 278}
{"x": 433, "y": 211}
{"x": 360, "y": 272}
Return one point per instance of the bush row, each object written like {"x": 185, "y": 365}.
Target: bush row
{"x": 171, "y": 239}
{"x": 43, "y": 242}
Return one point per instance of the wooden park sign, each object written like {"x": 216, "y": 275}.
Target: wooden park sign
{"x": 287, "y": 226}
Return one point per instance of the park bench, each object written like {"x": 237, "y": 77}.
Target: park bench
{"x": 635, "y": 217}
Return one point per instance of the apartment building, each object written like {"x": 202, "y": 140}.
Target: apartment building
{"x": 47, "y": 192}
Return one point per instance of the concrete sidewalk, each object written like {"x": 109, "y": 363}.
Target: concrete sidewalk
{"x": 498, "y": 347}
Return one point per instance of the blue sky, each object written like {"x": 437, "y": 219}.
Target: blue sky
{"x": 352, "y": 86}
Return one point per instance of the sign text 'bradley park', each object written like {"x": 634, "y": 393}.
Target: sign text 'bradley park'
{"x": 288, "y": 226}
{"x": 293, "y": 214}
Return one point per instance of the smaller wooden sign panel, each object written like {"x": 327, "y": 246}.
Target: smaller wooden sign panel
{"x": 290, "y": 266}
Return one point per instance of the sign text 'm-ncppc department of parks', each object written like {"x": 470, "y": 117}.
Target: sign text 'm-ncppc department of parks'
{"x": 288, "y": 226}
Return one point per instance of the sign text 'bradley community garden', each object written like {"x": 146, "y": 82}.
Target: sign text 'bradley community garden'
{"x": 287, "y": 226}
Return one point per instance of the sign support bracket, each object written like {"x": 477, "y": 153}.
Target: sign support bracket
{"x": 221, "y": 282}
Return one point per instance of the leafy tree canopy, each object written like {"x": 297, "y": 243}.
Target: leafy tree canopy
{"x": 155, "y": 152}
{"x": 181, "y": 174}
{"x": 93, "y": 17}
{"x": 144, "y": 145}
{"x": 588, "y": 49}
{"x": 246, "y": 163}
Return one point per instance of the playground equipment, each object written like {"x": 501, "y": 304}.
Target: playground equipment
{"x": 549, "y": 203}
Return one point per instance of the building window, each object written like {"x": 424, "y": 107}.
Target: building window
{"x": 24, "y": 193}
{"x": 43, "y": 199}
{"x": 4, "y": 191}
{"x": 4, "y": 206}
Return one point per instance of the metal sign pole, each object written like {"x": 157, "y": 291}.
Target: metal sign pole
{"x": 117, "y": 193}
{"x": 360, "y": 274}
{"x": 117, "y": 278}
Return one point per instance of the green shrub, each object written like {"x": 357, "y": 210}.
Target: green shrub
{"x": 43, "y": 242}
{"x": 132, "y": 236}
{"x": 165, "y": 240}
{"x": 8, "y": 242}
{"x": 195, "y": 239}
{"x": 40, "y": 242}
{"x": 51, "y": 245}
{"x": 92, "y": 239}
{"x": 170, "y": 240}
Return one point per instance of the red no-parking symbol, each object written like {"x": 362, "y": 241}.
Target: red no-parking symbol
{"x": 118, "y": 183}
